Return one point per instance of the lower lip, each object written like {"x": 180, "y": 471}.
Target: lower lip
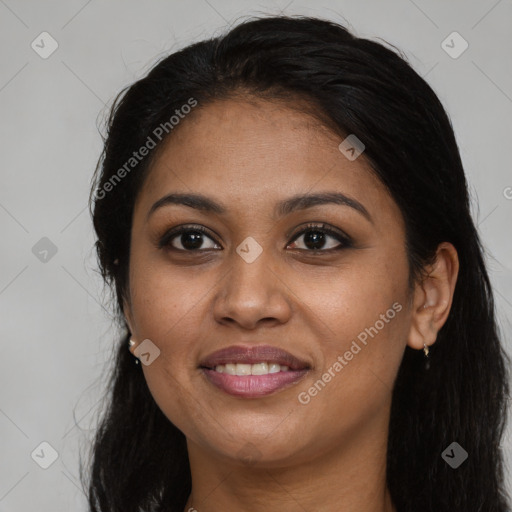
{"x": 253, "y": 386}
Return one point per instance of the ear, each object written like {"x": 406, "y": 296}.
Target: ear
{"x": 433, "y": 297}
{"x": 129, "y": 320}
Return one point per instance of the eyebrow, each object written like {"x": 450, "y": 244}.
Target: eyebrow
{"x": 285, "y": 207}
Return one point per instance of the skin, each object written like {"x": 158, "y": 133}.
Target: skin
{"x": 328, "y": 454}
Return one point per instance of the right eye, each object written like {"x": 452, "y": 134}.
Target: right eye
{"x": 188, "y": 238}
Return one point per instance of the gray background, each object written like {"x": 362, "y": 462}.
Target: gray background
{"x": 56, "y": 335}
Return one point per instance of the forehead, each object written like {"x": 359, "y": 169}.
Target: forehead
{"x": 256, "y": 151}
{"x": 248, "y": 132}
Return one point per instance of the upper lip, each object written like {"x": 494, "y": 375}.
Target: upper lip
{"x": 252, "y": 355}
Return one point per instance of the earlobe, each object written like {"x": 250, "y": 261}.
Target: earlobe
{"x": 128, "y": 316}
{"x": 433, "y": 298}
{"x": 127, "y": 312}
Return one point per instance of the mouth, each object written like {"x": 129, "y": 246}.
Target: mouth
{"x": 252, "y": 372}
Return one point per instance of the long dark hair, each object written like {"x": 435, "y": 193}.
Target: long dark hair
{"x": 355, "y": 86}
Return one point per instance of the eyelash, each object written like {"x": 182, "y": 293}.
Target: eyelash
{"x": 345, "y": 241}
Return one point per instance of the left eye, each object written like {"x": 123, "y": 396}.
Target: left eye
{"x": 316, "y": 239}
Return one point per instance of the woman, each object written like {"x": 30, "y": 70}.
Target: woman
{"x": 284, "y": 216}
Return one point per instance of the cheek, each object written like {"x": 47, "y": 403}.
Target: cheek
{"x": 170, "y": 311}
{"x": 358, "y": 370}
{"x": 363, "y": 319}
{"x": 346, "y": 299}
{"x": 174, "y": 394}
{"x": 167, "y": 301}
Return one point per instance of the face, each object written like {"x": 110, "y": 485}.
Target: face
{"x": 325, "y": 281}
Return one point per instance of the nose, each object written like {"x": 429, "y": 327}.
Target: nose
{"x": 252, "y": 294}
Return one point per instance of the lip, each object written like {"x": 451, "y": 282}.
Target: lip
{"x": 252, "y": 355}
{"x": 253, "y": 386}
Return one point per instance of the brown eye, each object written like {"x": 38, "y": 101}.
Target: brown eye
{"x": 320, "y": 238}
{"x": 188, "y": 239}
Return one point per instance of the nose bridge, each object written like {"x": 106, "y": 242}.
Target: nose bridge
{"x": 251, "y": 291}
{"x": 250, "y": 271}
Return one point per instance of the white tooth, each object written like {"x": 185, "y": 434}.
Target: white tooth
{"x": 259, "y": 369}
{"x": 230, "y": 369}
{"x": 262, "y": 368}
{"x": 274, "y": 368}
{"x": 243, "y": 369}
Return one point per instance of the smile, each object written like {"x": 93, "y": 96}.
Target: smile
{"x": 253, "y": 385}
{"x": 251, "y": 369}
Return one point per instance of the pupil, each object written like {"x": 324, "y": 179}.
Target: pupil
{"x": 314, "y": 239}
{"x": 191, "y": 240}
